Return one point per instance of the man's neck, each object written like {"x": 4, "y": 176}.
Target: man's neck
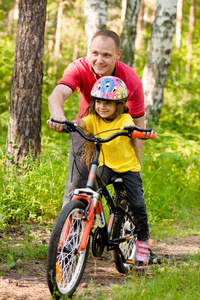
{"x": 98, "y": 76}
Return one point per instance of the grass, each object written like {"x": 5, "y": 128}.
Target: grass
{"x": 177, "y": 281}
{"x": 172, "y": 280}
{"x": 22, "y": 244}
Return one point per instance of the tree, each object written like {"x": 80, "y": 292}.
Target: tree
{"x": 11, "y": 16}
{"x": 96, "y": 17}
{"x": 129, "y": 32}
{"x": 159, "y": 57}
{"x": 24, "y": 130}
{"x": 191, "y": 31}
{"x": 139, "y": 39}
{"x": 179, "y": 17}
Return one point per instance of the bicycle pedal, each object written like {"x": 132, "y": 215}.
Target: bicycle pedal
{"x": 132, "y": 262}
{"x": 139, "y": 263}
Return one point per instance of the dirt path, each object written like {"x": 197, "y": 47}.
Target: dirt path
{"x": 29, "y": 281}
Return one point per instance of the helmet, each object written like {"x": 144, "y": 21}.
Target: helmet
{"x": 109, "y": 88}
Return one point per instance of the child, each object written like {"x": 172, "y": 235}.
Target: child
{"x": 107, "y": 111}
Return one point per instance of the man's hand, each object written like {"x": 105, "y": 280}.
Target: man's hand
{"x": 55, "y": 126}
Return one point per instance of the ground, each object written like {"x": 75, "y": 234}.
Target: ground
{"x": 28, "y": 281}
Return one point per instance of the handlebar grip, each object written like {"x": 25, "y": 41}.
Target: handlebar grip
{"x": 142, "y": 135}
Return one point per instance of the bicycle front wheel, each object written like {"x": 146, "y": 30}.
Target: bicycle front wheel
{"x": 65, "y": 265}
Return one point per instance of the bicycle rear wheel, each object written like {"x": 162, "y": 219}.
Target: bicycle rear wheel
{"x": 123, "y": 228}
{"x": 65, "y": 266}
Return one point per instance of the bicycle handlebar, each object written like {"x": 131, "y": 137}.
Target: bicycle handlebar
{"x": 130, "y": 131}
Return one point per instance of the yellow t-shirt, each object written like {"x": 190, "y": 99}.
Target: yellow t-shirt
{"x": 118, "y": 154}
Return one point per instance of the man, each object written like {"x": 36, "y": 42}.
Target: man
{"x": 104, "y": 58}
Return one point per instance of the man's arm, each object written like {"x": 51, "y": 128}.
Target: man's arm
{"x": 79, "y": 122}
{"x": 139, "y": 122}
{"x": 56, "y": 105}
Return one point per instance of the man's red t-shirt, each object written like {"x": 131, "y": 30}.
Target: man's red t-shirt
{"x": 79, "y": 74}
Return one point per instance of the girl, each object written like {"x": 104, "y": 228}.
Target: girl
{"x": 108, "y": 111}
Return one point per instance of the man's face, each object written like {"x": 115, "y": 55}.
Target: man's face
{"x": 103, "y": 55}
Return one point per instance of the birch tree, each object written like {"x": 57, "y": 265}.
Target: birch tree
{"x": 95, "y": 17}
{"x": 24, "y": 130}
{"x": 179, "y": 17}
{"x": 159, "y": 57}
{"x": 129, "y": 32}
{"x": 190, "y": 36}
{"x": 139, "y": 38}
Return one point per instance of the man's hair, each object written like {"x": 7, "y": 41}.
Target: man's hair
{"x": 108, "y": 33}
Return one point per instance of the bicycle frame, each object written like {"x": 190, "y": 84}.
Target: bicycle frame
{"x": 94, "y": 204}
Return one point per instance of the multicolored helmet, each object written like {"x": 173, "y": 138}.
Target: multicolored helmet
{"x": 110, "y": 88}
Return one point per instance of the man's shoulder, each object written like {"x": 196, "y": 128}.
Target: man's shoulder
{"x": 126, "y": 73}
{"x": 83, "y": 61}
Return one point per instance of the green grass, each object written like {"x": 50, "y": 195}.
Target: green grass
{"x": 24, "y": 244}
{"x": 172, "y": 280}
{"x": 177, "y": 281}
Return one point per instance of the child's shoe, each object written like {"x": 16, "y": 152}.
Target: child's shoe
{"x": 142, "y": 253}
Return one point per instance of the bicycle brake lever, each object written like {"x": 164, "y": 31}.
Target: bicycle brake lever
{"x": 68, "y": 129}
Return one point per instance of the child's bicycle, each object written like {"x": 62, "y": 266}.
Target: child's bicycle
{"x": 70, "y": 238}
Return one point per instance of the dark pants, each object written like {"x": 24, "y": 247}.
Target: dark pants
{"x": 133, "y": 184}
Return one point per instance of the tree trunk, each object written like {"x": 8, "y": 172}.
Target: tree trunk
{"x": 179, "y": 16}
{"x": 139, "y": 39}
{"x": 129, "y": 32}
{"x": 159, "y": 57}
{"x": 96, "y": 17}
{"x": 24, "y": 130}
{"x": 58, "y": 29}
{"x": 191, "y": 31}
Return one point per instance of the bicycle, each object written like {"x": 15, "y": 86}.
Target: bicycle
{"x": 70, "y": 238}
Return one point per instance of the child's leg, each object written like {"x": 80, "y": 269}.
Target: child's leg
{"x": 106, "y": 173}
{"x": 133, "y": 185}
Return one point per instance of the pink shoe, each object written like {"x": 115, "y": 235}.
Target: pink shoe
{"x": 142, "y": 253}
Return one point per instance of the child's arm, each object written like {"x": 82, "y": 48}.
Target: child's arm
{"x": 79, "y": 122}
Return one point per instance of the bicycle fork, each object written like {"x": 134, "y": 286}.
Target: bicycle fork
{"x": 93, "y": 204}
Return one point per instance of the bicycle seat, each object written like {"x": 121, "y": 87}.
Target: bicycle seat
{"x": 116, "y": 179}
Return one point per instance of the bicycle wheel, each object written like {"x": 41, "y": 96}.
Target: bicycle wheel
{"x": 65, "y": 266}
{"x": 124, "y": 228}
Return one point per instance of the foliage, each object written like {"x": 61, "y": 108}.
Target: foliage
{"x": 29, "y": 193}
{"x": 171, "y": 187}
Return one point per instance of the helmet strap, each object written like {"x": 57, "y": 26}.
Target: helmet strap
{"x": 109, "y": 119}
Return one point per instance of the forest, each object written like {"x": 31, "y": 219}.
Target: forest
{"x": 33, "y": 175}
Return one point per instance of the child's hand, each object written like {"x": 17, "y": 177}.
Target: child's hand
{"x": 147, "y": 135}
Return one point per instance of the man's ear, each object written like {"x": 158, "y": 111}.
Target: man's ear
{"x": 119, "y": 54}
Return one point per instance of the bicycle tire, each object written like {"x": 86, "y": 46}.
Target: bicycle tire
{"x": 124, "y": 227}
{"x": 65, "y": 266}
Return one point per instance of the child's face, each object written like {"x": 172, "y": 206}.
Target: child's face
{"x": 105, "y": 109}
